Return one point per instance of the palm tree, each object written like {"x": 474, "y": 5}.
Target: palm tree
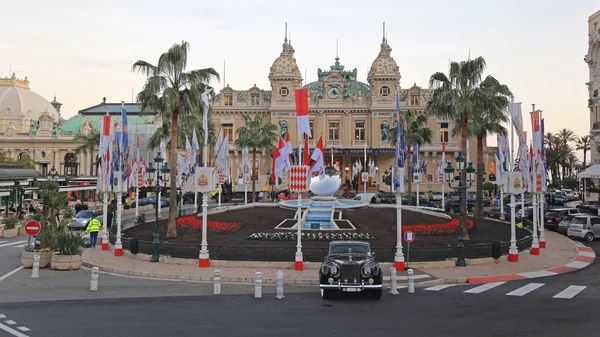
{"x": 583, "y": 144}
{"x": 186, "y": 128}
{"x": 566, "y": 136}
{"x": 456, "y": 98}
{"x": 416, "y": 134}
{"x": 487, "y": 119}
{"x": 256, "y": 134}
{"x": 172, "y": 90}
{"x": 90, "y": 142}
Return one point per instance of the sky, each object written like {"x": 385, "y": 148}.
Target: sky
{"x": 83, "y": 50}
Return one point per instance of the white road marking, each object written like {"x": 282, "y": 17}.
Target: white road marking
{"x": 587, "y": 254}
{"x": 21, "y": 246}
{"x": 12, "y": 243}
{"x": 570, "y": 292}
{"x": 572, "y": 264}
{"x": 526, "y": 289}
{"x": 10, "y": 322}
{"x": 12, "y": 331}
{"x": 440, "y": 287}
{"x": 2, "y": 316}
{"x": 23, "y": 328}
{"x": 539, "y": 273}
{"x": 3, "y": 277}
{"x": 3, "y": 241}
{"x": 484, "y": 287}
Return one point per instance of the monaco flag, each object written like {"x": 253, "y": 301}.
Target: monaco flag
{"x": 302, "y": 112}
{"x": 318, "y": 156}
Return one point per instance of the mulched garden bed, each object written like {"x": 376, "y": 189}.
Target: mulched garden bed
{"x": 377, "y": 222}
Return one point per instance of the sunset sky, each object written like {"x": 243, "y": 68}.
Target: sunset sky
{"x": 83, "y": 51}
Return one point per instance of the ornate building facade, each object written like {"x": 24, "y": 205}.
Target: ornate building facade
{"x": 350, "y": 115}
{"x": 593, "y": 61}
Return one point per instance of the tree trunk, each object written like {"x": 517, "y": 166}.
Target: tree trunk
{"x": 480, "y": 178}
{"x": 463, "y": 176}
{"x": 252, "y": 175}
{"x": 172, "y": 226}
{"x": 409, "y": 175}
{"x": 584, "y": 157}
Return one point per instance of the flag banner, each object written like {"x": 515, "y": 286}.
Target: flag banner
{"x": 126, "y": 160}
{"x": 204, "y": 97}
{"x": 517, "y": 119}
{"x": 204, "y": 179}
{"x": 299, "y": 178}
{"x": 400, "y": 157}
{"x": 302, "y": 113}
{"x": 442, "y": 174}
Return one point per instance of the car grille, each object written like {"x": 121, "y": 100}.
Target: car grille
{"x": 351, "y": 273}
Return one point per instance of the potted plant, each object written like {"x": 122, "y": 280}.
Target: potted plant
{"x": 68, "y": 247}
{"x": 9, "y": 227}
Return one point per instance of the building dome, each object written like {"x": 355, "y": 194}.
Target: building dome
{"x": 285, "y": 65}
{"x": 384, "y": 64}
{"x": 18, "y": 102}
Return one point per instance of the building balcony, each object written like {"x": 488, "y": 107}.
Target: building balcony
{"x": 359, "y": 143}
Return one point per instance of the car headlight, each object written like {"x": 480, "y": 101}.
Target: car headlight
{"x": 334, "y": 269}
{"x": 84, "y": 222}
{"x": 325, "y": 270}
{"x": 367, "y": 270}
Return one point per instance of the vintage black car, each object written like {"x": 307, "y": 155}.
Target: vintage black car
{"x": 350, "y": 266}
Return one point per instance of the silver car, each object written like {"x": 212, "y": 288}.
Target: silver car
{"x": 80, "y": 221}
{"x": 584, "y": 227}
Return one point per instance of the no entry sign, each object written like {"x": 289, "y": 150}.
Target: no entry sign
{"x": 409, "y": 236}
{"x": 32, "y": 228}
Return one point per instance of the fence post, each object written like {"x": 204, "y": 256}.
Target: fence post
{"x": 217, "y": 280}
{"x": 94, "y": 281}
{"x": 393, "y": 281}
{"x": 279, "y": 284}
{"x": 258, "y": 285}
{"x": 35, "y": 271}
{"x": 411, "y": 282}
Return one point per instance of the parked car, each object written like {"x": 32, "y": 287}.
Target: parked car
{"x": 525, "y": 213}
{"x": 564, "y": 225}
{"x": 81, "y": 219}
{"x": 143, "y": 202}
{"x": 586, "y": 206}
{"x": 559, "y": 198}
{"x": 555, "y": 216}
{"x": 436, "y": 196}
{"x": 387, "y": 197}
{"x": 422, "y": 201}
{"x": 584, "y": 227}
{"x": 454, "y": 206}
{"x": 350, "y": 267}
{"x": 496, "y": 211}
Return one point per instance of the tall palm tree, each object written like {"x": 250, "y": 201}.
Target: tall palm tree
{"x": 583, "y": 144}
{"x": 416, "y": 134}
{"x": 456, "y": 98}
{"x": 172, "y": 90}
{"x": 90, "y": 142}
{"x": 487, "y": 119}
{"x": 566, "y": 136}
{"x": 257, "y": 134}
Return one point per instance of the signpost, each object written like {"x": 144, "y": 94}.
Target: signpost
{"x": 32, "y": 228}
{"x": 409, "y": 236}
{"x": 498, "y": 196}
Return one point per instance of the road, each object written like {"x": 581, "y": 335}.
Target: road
{"x": 136, "y": 307}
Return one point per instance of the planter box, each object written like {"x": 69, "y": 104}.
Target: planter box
{"x": 22, "y": 230}
{"x": 65, "y": 262}
{"x": 27, "y": 259}
{"x": 10, "y": 233}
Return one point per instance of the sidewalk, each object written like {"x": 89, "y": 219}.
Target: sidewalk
{"x": 561, "y": 251}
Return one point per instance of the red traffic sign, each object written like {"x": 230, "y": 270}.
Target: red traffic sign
{"x": 409, "y": 236}
{"x": 32, "y": 228}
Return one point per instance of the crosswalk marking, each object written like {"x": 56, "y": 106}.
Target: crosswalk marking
{"x": 440, "y": 287}
{"x": 526, "y": 289}
{"x": 23, "y": 328}
{"x": 12, "y": 243}
{"x": 484, "y": 287}
{"x": 570, "y": 292}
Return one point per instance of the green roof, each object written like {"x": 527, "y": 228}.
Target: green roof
{"x": 74, "y": 123}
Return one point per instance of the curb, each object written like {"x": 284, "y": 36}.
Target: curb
{"x": 585, "y": 256}
{"x": 241, "y": 280}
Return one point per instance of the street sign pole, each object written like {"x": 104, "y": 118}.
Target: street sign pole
{"x": 409, "y": 236}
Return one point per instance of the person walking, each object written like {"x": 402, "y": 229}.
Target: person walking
{"x": 93, "y": 228}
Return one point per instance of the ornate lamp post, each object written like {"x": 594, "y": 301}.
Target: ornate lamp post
{"x": 53, "y": 174}
{"x": 270, "y": 183}
{"x": 157, "y": 171}
{"x": 461, "y": 188}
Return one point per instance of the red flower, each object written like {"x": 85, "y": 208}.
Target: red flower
{"x": 221, "y": 227}
{"x": 450, "y": 227}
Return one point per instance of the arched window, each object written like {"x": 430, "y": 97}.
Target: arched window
{"x": 23, "y": 156}
{"x": 71, "y": 164}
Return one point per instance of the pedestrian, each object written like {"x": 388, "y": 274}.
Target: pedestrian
{"x": 93, "y": 228}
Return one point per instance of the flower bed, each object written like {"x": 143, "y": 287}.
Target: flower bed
{"x": 286, "y": 236}
{"x": 448, "y": 228}
{"x": 221, "y": 227}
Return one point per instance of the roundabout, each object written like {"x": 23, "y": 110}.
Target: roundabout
{"x": 249, "y": 233}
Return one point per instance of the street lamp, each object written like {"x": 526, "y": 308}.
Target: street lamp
{"x": 53, "y": 174}
{"x": 461, "y": 188}
{"x": 180, "y": 206}
{"x": 157, "y": 171}
{"x": 270, "y": 182}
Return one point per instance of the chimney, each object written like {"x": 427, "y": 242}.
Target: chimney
{"x": 103, "y": 100}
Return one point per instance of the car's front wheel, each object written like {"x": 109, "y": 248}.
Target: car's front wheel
{"x": 376, "y": 294}
{"x": 589, "y": 237}
{"x": 325, "y": 294}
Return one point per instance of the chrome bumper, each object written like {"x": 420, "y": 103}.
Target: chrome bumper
{"x": 340, "y": 286}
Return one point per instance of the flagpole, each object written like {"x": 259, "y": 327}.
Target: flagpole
{"x": 365, "y": 182}
{"x": 299, "y": 259}
{"x": 513, "y": 252}
{"x": 541, "y": 198}
{"x": 118, "y": 245}
{"x": 535, "y": 245}
{"x": 418, "y": 170}
{"x": 204, "y": 258}
{"x": 137, "y": 184}
{"x": 104, "y": 234}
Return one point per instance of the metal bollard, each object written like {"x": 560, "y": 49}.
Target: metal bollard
{"x": 217, "y": 282}
{"x": 279, "y": 285}
{"x": 258, "y": 285}
{"x": 411, "y": 282}
{"x": 35, "y": 271}
{"x": 94, "y": 281}
{"x": 393, "y": 281}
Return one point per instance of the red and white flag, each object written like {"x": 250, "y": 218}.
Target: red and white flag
{"x": 284, "y": 156}
{"x": 318, "y": 156}
{"x": 302, "y": 112}
{"x": 274, "y": 165}
{"x": 104, "y": 151}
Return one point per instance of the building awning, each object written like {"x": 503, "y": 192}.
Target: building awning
{"x": 10, "y": 174}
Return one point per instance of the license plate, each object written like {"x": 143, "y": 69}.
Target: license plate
{"x": 351, "y": 290}
{"x": 549, "y": 221}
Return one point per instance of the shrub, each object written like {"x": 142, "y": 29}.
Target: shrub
{"x": 448, "y": 228}
{"x": 10, "y": 222}
{"x": 190, "y": 222}
{"x": 126, "y": 206}
{"x": 68, "y": 243}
